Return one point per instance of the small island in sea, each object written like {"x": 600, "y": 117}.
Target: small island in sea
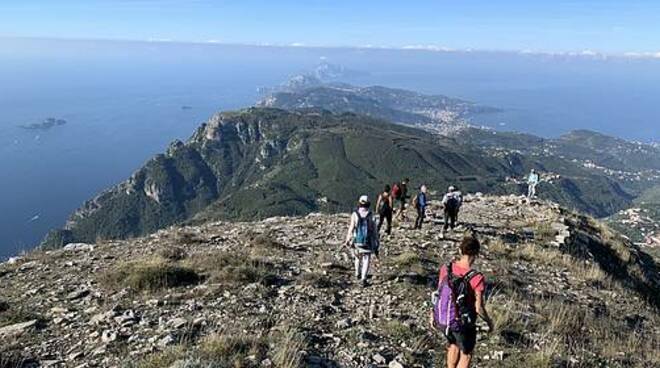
{"x": 186, "y": 107}
{"x": 45, "y": 124}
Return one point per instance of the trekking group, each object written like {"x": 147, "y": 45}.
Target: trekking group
{"x": 459, "y": 298}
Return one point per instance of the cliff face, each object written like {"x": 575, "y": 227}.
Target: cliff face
{"x": 264, "y": 162}
{"x": 563, "y": 290}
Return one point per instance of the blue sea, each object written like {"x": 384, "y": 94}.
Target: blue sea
{"x": 123, "y": 102}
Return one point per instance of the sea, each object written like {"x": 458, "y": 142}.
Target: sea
{"x": 125, "y": 101}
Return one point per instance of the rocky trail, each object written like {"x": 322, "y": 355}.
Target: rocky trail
{"x": 563, "y": 290}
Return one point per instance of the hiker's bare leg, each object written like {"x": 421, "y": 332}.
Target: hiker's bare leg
{"x": 452, "y": 356}
{"x": 357, "y": 265}
{"x": 464, "y": 361}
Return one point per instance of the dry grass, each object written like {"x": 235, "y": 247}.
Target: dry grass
{"x": 183, "y": 237}
{"x": 172, "y": 253}
{"x": 288, "y": 349}
{"x": 504, "y": 312}
{"x": 406, "y": 259}
{"x": 232, "y": 349}
{"x": 567, "y": 329}
{"x": 316, "y": 279}
{"x": 497, "y": 246}
{"x": 232, "y": 268}
{"x": 591, "y": 273}
{"x": 532, "y": 252}
{"x": 161, "y": 359}
{"x": 587, "y": 271}
{"x": 150, "y": 274}
{"x": 266, "y": 240}
{"x": 398, "y": 331}
{"x": 543, "y": 230}
{"x": 236, "y": 348}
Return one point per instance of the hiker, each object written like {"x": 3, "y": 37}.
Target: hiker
{"x": 457, "y": 303}
{"x": 420, "y": 202}
{"x": 532, "y": 182}
{"x": 385, "y": 207}
{"x": 400, "y": 193}
{"x": 451, "y": 203}
{"x": 362, "y": 238}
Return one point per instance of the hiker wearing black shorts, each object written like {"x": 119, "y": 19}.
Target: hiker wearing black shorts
{"x": 385, "y": 207}
{"x": 451, "y": 202}
{"x": 459, "y": 326}
{"x": 402, "y": 197}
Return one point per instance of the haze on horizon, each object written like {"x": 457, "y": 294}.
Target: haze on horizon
{"x": 629, "y": 28}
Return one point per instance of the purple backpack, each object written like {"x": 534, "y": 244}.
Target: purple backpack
{"x": 450, "y": 309}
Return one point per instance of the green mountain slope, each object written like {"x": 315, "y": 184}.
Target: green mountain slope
{"x": 262, "y": 162}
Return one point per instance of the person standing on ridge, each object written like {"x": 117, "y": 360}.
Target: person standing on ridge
{"x": 458, "y": 301}
{"x": 362, "y": 238}
{"x": 420, "y": 202}
{"x": 385, "y": 207}
{"x": 401, "y": 195}
{"x": 451, "y": 203}
{"x": 532, "y": 182}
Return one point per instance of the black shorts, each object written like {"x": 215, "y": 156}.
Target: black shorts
{"x": 466, "y": 339}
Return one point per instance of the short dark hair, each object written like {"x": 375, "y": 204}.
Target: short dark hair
{"x": 470, "y": 246}
{"x": 387, "y": 188}
{"x": 406, "y": 180}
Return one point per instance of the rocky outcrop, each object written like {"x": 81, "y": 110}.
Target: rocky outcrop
{"x": 283, "y": 287}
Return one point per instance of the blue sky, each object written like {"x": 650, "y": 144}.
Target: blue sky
{"x": 539, "y": 25}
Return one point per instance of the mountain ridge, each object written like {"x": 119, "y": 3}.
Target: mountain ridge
{"x": 262, "y": 162}
{"x": 280, "y": 290}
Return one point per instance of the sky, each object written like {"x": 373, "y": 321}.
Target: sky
{"x": 604, "y": 26}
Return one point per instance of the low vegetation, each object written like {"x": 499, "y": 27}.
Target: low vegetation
{"x": 149, "y": 274}
{"x": 237, "y": 349}
{"x": 232, "y": 268}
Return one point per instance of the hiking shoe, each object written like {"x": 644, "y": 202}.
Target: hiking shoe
{"x": 442, "y": 235}
{"x": 364, "y": 283}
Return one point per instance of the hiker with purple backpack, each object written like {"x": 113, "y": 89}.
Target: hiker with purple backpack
{"x": 457, "y": 303}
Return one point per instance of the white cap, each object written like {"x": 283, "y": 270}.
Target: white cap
{"x": 451, "y": 188}
{"x": 364, "y": 199}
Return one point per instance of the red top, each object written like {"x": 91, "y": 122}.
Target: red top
{"x": 477, "y": 283}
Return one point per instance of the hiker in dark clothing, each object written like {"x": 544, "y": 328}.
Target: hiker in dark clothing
{"x": 451, "y": 202}
{"x": 402, "y": 196}
{"x": 385, "y": 207}
{"x": 420, "y": 202}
